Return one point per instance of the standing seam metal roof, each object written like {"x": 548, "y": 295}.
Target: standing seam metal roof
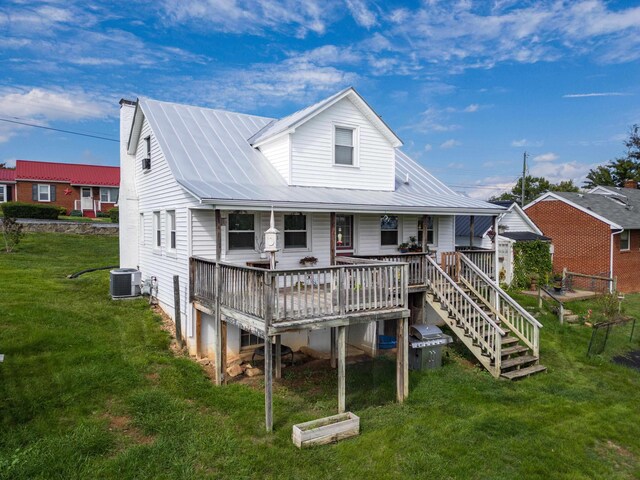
{"x": 209, "y": 153}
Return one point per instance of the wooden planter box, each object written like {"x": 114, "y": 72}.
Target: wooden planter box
{"x": 326, "y": 430}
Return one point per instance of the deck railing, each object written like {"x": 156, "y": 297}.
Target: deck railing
{"x": 417, "y": 264}
{"x": 301, "y": 293}
{"x": 465, "y": 314}
{"x": 483, "y": 259}
{"x": 509, "y": 312}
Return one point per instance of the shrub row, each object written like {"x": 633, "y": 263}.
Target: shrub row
{"x": 30, "y": 210}
{"x": 114, "y": 213}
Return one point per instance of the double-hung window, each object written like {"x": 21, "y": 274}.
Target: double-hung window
{"x": 624, "y": 240}
{"x": 157, "y": 230}
{"x": 108, "y": 195}
{"x": 295, "y": 231}
{"x": 44, "y": 193}
{"x": 344, "y": 153}
{"x": 171, "y": 229}
{"x": 241, "y": 232}
{"x": 3, "y": 193}
{"x": 389, "y": 230}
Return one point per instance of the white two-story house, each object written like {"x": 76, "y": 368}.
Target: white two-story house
{"x": 197, "y": 190}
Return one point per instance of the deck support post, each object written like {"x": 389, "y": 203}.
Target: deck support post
{"x": 278, "y": 357}
{"x": 198, "y": 333}
{"x": 332, "y": 339}
{"x": 268, "y": 384}
{"x": 268, "y": 353}
{"x": 402, "y": 360}
{"x": 342, "y": 361}
{"x": 219, "y": 345}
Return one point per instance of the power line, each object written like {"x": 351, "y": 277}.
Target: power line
{"x": 59, "y": 130}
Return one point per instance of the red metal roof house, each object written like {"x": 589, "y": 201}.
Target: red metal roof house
{"x": 88, "y": 188}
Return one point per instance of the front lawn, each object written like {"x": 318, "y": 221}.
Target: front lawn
{"x": 90, "y": 389}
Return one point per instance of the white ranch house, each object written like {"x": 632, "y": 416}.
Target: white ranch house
{"x": 197, "y": 189}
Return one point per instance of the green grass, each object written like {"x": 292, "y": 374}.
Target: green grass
{"x": 89, "y": 389}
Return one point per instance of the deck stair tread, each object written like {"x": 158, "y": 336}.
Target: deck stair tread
{"x": 517, "y": 361}
{"x": 514, "y": 350}
{"x": 523, "y": 372}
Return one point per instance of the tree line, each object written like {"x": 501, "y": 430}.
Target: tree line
{"x": 612, "y": 174}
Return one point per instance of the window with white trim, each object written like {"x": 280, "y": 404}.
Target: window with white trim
{"x": 3, "y": 193}
{"x": 157, "y": 230}
{"x": 389, "y": 230}
{"x": 430, "y": 231}
{"x": 241, "y": 231}
{"x": 344, "y": 232}
{"x": 344, "y": 148}
{"x": 295, "y": 231}
{"x": 109, "y": 194}
{"x": 44, "y": 193}
{"x": 624, "y": 240}
{"x": 171, "y": 230}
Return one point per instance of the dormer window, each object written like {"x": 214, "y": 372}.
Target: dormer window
{"x": 344, "y": 153}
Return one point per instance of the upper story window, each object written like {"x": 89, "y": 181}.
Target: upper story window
{"x": 157, "y": 229}
{"x": 146, "y": 161}
{"x": 344, "y": 232}
{"x": 108, "y": 195}
{"x": 624, "y": 240}
{"x": 389, "y": 230}
{"x": 430, "y": 232}
{"x": 241, "y": 231}
{"x": 344, "y": 146}
{"x": 295, "y": 231}
{"x": 171, "y": 229}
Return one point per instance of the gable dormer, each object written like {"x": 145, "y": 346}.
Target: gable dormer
{"x": 339, "y": 142}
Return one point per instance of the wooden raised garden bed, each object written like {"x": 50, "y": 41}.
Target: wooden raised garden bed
{"x": 326, "y": 430}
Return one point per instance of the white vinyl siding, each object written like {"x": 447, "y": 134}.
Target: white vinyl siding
{"x": 277, "y": 152}
{"x": 203, "y": 233}
{"x": 312, "y": 152}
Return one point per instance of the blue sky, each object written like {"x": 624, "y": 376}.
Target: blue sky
{"x": 467, "y": 85}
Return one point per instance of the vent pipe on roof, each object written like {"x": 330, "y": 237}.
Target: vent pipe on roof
{"x": 406, "y": 179}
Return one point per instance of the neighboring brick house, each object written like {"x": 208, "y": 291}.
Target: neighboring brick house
{"x": 595, "y": 233}
{"x": 89, "y": 188}
{"x": 7, "y": 184}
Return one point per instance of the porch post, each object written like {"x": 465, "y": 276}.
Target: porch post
{"x": 332, "y": 238}
{"x": 425, "y": 226}
{"x": 342, "y": 361}
{"x": 496, "y": 263}
{"x": 217, "y": 321}
{"x": 472, "y": 221}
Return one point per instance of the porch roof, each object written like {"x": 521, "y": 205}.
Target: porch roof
{"x": 210, "y": 156}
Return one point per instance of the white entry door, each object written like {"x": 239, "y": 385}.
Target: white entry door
{"x": 87, "y": 200}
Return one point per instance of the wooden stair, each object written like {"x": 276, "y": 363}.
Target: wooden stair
{"x": 478, "y": 326}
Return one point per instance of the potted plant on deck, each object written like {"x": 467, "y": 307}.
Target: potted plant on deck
{"x": 557, "y": 282}
{"x": 403, "y": 247}
{"x": 308, "y": 261}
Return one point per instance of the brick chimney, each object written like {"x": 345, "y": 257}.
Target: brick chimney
{"x": 630, "y": 183}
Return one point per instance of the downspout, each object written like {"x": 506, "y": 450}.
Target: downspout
{"x": 611, "y": 258}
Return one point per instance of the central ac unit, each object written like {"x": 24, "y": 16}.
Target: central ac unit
{"x": 125, "y": 282}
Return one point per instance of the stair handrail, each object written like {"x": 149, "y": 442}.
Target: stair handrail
{"x": 497, "y": 344}
{"x": 535, "y": 324}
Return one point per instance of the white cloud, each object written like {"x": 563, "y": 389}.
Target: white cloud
{"x": 361, "y": 13}
{"x": 474, "y": 107}
{"x": 523, "y": 142}
{"x": 490, "y": 187}
{"x": 586, "y": 95}
{"x": 557, "y": 172}
{"x": 250, "y": 16}
{"x": 545, "y": 157}
{"x": 43, "y": 106}
{"x": 451, "y": 143}
{"x": 428, "y": 147}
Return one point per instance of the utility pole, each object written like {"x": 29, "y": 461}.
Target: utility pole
{"x": 524, "y": 174}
